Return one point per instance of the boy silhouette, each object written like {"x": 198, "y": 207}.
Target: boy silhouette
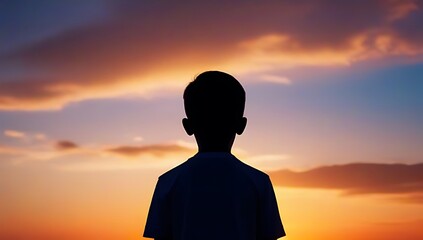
{"x": 213, "y": 195}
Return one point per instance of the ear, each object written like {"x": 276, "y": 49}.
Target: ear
{"x": 242, "y": 123}
{"x": 188, "y": 126}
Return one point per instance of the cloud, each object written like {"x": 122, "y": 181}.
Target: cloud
{"x": 145, "y": 46}
{"x": 24, "y": 136}
{"x": 8, "y": 150}
{"x": 358, "y": 178}
{"x": 56, "y": 149}
{"x": 30, "y": 153}
{"x": 416, "y": 198}
{"x": 65, "y": 145}
{"x": 40, "y": 136}
{"x": 99, "y": 157}
{"x": 14, "y": 133}
{"x": 276, "y": 79}
{"x": 265, "y": 162}
{"x": 138, "y": 139}
{"x": 157, "y": 150}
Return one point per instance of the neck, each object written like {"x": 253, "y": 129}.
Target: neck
{"x": 214, "y": 149}
{"x": 214, "y": 144}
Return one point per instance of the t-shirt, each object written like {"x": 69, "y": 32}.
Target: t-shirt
{"x": 213, "y": 195}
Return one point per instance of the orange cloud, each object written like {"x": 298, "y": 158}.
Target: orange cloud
{"x": 359, "y": 178}
{"x": 158, "y": 150}
{"x": 137, "y": 54}
{"x": 409, "y": 198}
{"x": 30, "y": 153}
{"x": 7, "y": 150}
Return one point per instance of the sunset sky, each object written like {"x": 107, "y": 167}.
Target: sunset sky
{"x": 91, "y": 109}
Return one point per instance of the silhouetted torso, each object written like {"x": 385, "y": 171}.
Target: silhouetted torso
{"x": 213, "y": 195}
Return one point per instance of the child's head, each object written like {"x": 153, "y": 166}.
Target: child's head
{"x": 214, "y": 104}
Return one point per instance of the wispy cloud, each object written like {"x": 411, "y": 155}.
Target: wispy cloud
{"x": 276, "y": 79}
{"x": 56, "y": 149}
{"x": 40, "y": 136}
{"x": 135, "y": 53}
{"x": 415, "y": 198}
{"x": 158, "y": 150}
{"x": 24, "y": 136}
{"x": 8, "y": 150}
{"x": 138, "y": 138}
{"x": 14, "y": 133}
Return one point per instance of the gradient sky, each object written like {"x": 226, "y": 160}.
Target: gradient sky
{"x": 91, "y": 108}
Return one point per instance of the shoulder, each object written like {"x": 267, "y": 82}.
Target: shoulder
{"x": 252, "y": 171}
{"x": 258, "y": 177}
{"x": 169, "y": 177}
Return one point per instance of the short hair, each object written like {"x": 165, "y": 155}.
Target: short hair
{"x": 214, "y": 95}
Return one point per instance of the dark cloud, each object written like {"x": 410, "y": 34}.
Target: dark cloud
{"x": 359, "y": 178}
{"x": 65, "y": 145}
{"x": 158, "y": 150}
{"x": 409, "y": 27}
{"x": 143, "y": 40}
